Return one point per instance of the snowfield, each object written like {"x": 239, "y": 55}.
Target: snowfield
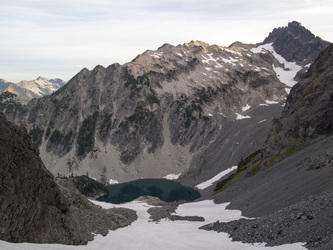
{"x": 289, "y": 70}
{"x": 172, "y": 176}
{"x": 241, "y": 117}
{"x": 217, "y": 177}
{"x": 166, "y": 234}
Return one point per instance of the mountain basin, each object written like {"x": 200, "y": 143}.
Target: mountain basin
{"x": 165, "y": 190}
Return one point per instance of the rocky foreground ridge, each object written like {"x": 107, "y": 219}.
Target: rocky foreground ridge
{"x": 151, "y": 117}
{"x": 36, "y": 208}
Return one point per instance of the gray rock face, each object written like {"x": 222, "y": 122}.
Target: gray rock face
{"x": 34, "y": 208}
{"x": 150, "y": 117}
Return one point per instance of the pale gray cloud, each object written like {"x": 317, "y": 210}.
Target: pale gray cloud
{"x": 58, "y": 38}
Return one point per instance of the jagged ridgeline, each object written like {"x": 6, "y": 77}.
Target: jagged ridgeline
{"x": 151, "y": 116}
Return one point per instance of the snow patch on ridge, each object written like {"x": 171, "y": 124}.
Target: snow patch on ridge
{"x": 271, "y": 102}
{"x": 230, "y": 60}
{"x": 210, "y": 182}
{"x": 247, "y": 107}
{"x": 286, "y": 74}
{"x": 157, "y": 55}
{"x": 241, "y": 117}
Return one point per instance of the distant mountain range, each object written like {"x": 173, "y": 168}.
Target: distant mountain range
{"x": 26, "y": 90}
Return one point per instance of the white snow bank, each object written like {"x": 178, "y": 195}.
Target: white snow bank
{"x": 230, "y": 60}
{"x": 285, "y": 74}
{"x": 247, "y": 107}
{"x": 210, "y": 182}
{"x": 241, "y": 117}
{"x": 177, "y": 235}
{"x": 209, "y": 58}
{"x": 157, "y": 55}
{"x": 111, "y": 181}
{"x": 271, "y": 102}
{"x": 172, "y": 176}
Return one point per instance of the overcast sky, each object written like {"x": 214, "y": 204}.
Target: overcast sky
{"x": 56, "y": 39}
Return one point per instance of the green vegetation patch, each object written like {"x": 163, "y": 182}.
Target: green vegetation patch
{"x": 9, "y": 105}
{"x": 60, "y": 138}
{"x": 86, "y": 139}
{"x": 248, "y": 166}
{"x": 36, "y": 134}
{"x": 152, "y": 98}
{"x": 140, "y": 114}
{"x": 88, "y": 186}
{"x": 106, "y": 125}
{"x": 192, "y": 109}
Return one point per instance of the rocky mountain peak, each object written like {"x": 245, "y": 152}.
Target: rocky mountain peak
{"x": 294, "y": 24}
{"x": 296, "y": 43}
{"x": 41, "y": 78}
{"x": 3, "y": 84}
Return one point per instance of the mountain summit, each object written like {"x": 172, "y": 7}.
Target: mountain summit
{"x": 295, "y": 43}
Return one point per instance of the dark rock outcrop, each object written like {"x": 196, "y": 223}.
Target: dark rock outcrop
{"x": 308, "y": 114}
{"x": 34, "y": 208}
{"x": 296, "y": 43}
